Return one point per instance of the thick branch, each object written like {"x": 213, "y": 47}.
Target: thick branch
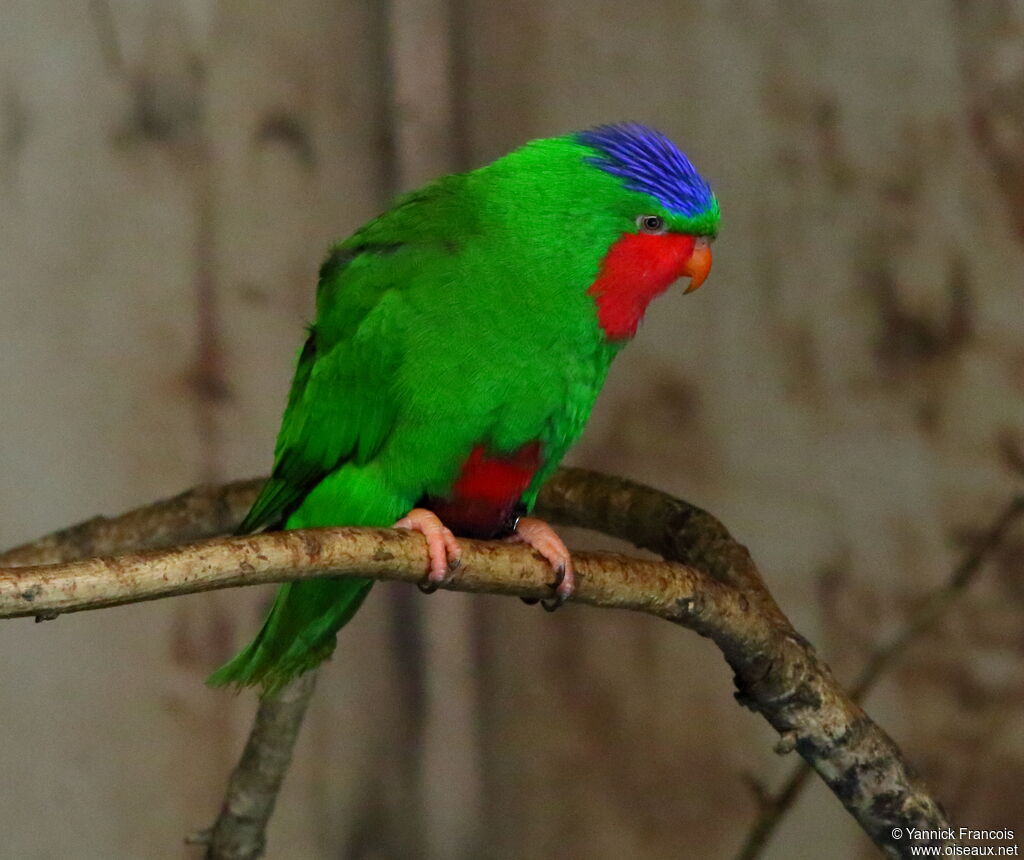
{"x": 718, "y": 592}
{"x": 924, "y": 618}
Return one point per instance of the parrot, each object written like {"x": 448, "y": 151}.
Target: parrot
{"x": 459, "y": 342}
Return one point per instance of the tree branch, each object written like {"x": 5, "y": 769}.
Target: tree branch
{"x": 672, "y": 591}
{"x": 240, "y": 832}
{"x": 201, "y": 512}
{"x": 925, "y": 617}
{"x": 713, "y": 588}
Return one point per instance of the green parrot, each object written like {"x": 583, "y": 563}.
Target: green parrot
{"x": 459, "y": 343}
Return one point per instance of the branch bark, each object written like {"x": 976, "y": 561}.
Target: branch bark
{"x": 201, "y": 512}
{"x": 672, "y": 591}
{"x": 240, "y": 832}
{"x": 925, "y": 617}
{"x": 709, "y": 584}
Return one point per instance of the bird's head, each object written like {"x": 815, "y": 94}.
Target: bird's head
{"x": 666, "y": 214}
{"x": 616, "y": 211}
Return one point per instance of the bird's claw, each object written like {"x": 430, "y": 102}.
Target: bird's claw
{"x": 442, "y": 548}
{"x": 544, "y": 540}
{"x": 428, "y": 585}
{"x": 550, "y": 604}
{"x": 431, "y": 583}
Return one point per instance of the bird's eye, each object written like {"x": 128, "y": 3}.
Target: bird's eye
{"x": 653, "y": 224}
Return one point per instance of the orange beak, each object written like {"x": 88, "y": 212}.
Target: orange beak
{"x": 699, "y": 264}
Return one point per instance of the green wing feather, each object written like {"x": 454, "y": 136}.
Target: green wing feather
{"x": 335, "y": 410}
{"x": 338, "y": 411}
{"x": 287, "y": 484}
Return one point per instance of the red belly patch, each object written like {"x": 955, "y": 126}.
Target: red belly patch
{"x": 487, "y": 491}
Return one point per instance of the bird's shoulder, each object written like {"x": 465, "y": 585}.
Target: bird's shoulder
{"x": 416, "y": 242}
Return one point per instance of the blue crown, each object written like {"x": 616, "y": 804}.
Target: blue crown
{"x": 649, "y": 163}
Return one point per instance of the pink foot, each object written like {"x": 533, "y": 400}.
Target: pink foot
{"x": 539, "y": 535}
{"x": 442, "y": 547}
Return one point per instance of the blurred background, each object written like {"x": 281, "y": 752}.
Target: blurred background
{"x": 846, "y": 394}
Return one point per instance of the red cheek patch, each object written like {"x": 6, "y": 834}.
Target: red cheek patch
{"x": 638, "y": 267}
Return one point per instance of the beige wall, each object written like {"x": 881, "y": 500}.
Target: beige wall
{"x": 842, "y": 394}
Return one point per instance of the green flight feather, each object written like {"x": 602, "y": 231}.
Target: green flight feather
{"x": 299, "y": 633}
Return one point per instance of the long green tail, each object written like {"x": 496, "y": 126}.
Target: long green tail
{"x": 299, "y": 633}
